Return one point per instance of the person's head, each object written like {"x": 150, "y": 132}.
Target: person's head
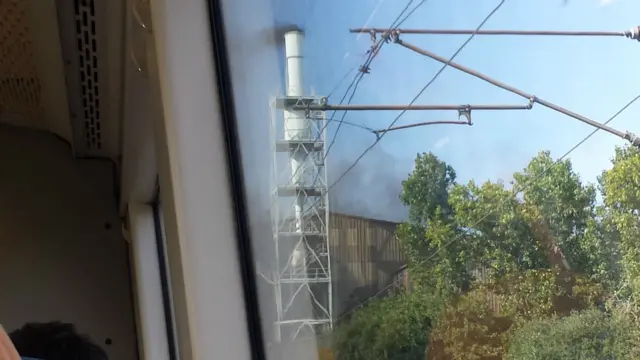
{"x": 55, "y": 341}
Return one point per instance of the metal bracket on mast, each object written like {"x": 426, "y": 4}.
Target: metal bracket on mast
{"x": 466, "y": 112}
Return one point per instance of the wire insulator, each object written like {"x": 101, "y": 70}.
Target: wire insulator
{"x": 633, "y": 139}
{"x": 466, "y": 112}
{"x": 374, "y": 38}
{"x": 633, "y": 34}
{"x": 395, "y": 36}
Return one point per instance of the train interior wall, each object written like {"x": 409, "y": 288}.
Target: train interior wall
{"x": 62, "y": 253}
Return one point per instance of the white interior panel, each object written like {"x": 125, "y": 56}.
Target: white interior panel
{"x": 141, "y": 106}
{"x": 198, "y": 211}
{"x": 62, "y": 253}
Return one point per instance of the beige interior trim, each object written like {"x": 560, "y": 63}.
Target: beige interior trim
{"x": 201, "y": 239}
{"x": 146, "y": 267}
{"x": 50, "y": 64}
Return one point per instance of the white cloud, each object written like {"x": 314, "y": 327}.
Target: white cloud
{"x": 441, "y": 143}
{"x": 606, "y": 2}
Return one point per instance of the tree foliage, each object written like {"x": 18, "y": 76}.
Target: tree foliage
{"x": 479, "y": 324}
{"x": 548, "y": 218}
{"x": 392, "y": 328}
{"x": 620, "y": 186}
{"x": 543, "y": 246}
{"x": 589, "y": 335}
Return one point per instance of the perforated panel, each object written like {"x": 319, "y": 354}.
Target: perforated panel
{"x": 87, "y": 42}
{"x": 91, "y": 37}
{"x": 20, "y": 90}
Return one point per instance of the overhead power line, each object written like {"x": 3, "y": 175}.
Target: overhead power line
{"x": 360, "y": 126}
{"x": 363, "y": 69}
{"x": 633, "y": 33}
{"x": 426, "y": 123}
{"x": 633, "y": 139}
{"x": 433, "y": 79}
{"x": 366, "y": 67}
{"x": 415, "y": 98}
{"x": 342, "y": 79}
{"x": 489, "y": 213}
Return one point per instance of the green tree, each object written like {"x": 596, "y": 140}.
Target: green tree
{"x": 426, "y": 193}
{"x": 426, "y": 190}
{"x": 558, "y": 202}
{"x": 620, "y": 187}
{"x": 392, "y": 328}
{"x": 497, "y": 233}
{"x": 549, "y": 218}
{"x": 480, "y": 323}
{"x": 588, "y": 335}
{"x": 539, "y": 250}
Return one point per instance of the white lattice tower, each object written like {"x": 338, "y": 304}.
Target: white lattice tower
{"x": 302, "y": 271}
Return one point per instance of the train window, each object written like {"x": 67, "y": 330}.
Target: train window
{"x": 364, "y": 250}
{"x": 163, "y": 264}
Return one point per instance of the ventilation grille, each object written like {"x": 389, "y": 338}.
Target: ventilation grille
{"x": 87, "y": 46}
{"x": 20, "y": 92}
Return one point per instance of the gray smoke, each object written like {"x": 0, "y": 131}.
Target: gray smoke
{"x": 371, "y": 189}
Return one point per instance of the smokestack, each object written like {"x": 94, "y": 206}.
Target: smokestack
{"x": 296, "y": 125}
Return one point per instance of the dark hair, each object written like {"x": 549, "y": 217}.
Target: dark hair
{"x": 55, "y": 341}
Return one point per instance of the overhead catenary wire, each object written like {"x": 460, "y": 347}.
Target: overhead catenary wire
{"x": 342, "y": 79}
{"x": 344, "y": 114}
{"x": 364, "y": 69}
{"x": 544, "y": 103}
{"x": 433, "y": 79}
{"x": 489, "y": 213}
{"x": 624, "y": 135}
{"x": 420, "y": 124}
{"x": 356, "y": 125}
{"x": 415, "y": 98}
{"x": 379, "y": 138}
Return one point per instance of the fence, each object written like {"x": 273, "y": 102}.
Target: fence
{"x": 365, "y": 257}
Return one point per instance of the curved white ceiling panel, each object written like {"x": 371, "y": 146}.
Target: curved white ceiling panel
{"x": 61, "y": 70}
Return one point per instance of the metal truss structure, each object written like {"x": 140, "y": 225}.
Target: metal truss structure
{"x": 302, "y": 275}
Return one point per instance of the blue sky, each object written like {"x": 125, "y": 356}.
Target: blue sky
{"x": 591, "y": 76}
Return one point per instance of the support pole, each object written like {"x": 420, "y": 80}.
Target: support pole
{"x": 633, "y": 33}
{"x": 627, "y": 136}
{"x": 339, "y": 107}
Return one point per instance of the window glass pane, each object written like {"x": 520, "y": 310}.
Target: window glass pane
{"x": 169, "y": 313}
{"x": 395, "y": 229}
